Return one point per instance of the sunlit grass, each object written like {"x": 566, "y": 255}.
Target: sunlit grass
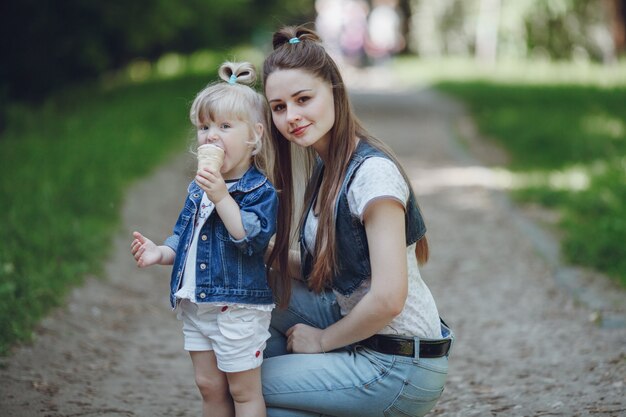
{"x": 567, "y": 145}
{"x": 176, "y": 65}
{"x": 416, "y": 71}
{"x": 572, "y": 179}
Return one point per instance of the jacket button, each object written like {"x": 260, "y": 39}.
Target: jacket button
{"x": 202, "y": 295}
{"x": 203, "y": 266}
{"x": 204, "y": 237}
{"x": 196, "y": 195}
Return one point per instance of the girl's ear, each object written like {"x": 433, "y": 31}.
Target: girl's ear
{"x": 258, "y": 130}
{"x": 256, "y": 143}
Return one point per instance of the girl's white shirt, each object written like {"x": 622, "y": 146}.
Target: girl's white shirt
{"x": 188, "y": 288}
{"x": 380, "y": 178}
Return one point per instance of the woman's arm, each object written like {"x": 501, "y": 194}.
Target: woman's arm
{"x": 385, "y": 229}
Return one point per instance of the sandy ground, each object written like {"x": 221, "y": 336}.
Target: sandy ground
{"x": 534, "y": 337}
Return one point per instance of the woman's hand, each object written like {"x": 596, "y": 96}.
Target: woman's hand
{"x": 302, "y": 338}
{"x": 212, "y": 182}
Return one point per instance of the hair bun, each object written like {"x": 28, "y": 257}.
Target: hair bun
{"x": 244, "y": 71}
{"x": 283, "y": 35}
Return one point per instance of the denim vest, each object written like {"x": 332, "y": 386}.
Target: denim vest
{"x": 228, "y": 270}
{"x": 351, "y": 241}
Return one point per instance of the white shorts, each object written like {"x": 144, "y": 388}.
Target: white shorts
{"x": 236, "y": 335}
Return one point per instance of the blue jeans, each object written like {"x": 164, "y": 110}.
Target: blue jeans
{"x": 351, "y": 382}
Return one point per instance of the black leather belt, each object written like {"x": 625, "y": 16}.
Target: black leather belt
{"x": 405, "y": 346}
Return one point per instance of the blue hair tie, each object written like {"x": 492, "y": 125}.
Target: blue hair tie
{"x": 294, "y": 40}
{"x": 232, "y": 79}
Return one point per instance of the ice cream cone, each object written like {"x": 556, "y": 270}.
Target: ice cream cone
{"x": 210, "y": 156}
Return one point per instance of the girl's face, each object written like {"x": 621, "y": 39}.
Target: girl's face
{"x": 235, "y": 137}
{"x": 302, "y": 107}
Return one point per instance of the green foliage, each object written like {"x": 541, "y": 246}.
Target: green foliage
{"x": 556, "y": 130}
{"x": 63, "y": 171}
{"x": 552, "y": 127}
{"x": 596, "y": 221}
{"x": 547, "y": 29}
{"x": 55, "y": 43}
{"x": 560, "y": 29}
{"x": 543, "y": 195}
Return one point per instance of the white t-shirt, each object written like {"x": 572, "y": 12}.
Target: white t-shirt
{"x": 187, "y": 289}
{"x": 378, "y": 178}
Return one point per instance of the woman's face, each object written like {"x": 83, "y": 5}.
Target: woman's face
{"x": 302, "y": 107}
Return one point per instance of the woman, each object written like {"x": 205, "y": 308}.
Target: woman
{"x": 361, "y": 335}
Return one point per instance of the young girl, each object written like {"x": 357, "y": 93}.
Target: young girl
{"x": 362, "y": 337}
{"x": 219, "y": 283}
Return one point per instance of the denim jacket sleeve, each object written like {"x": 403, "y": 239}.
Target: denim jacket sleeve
{"x": 183, "y": 219}
{"x": 172, "y": 241}
{"x": 258, "y": 214}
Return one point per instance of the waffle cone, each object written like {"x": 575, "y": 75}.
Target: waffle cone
{"x": 210, "y": 156}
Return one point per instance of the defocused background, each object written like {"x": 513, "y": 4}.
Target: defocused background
{"x": 48, "y": 44}
{"x": 86, "y": 87}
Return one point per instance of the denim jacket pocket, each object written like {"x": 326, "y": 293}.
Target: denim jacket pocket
{"x": 221, "y": 232}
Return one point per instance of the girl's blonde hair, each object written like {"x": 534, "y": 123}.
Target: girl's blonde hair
{"x": 308, "y": 54}
{"x": 235, "y": 97}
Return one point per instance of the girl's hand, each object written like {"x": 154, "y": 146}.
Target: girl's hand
{"x": 302, "y": 338}
{"x": 144, "y": 250}
{"x": 213, "y": 184}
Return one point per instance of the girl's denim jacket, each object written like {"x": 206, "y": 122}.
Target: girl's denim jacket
{"x": 228, "y": 270}
{"x": 351, "y": 245}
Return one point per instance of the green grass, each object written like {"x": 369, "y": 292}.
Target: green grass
{"x": 64, "y": 168}
{"x": 549, "y": 127}
{"x": 565, "y": 131}
{"x": 411, "y": 70}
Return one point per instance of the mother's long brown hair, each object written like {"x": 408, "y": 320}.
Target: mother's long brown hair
{"x": 309, "y": 55}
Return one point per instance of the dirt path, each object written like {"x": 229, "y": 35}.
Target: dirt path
{"x": 525, "y": 346}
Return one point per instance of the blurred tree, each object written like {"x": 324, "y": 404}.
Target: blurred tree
{"x": 405, "y": 10}
{"x": 488, "y": 29}
{"x": 47, "y": 44}
{"x": 442, "y": 27}
{"x": 566, "y": 29}
{"x": 617, "y": 11}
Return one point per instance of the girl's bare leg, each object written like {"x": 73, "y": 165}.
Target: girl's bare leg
{"x": 213, "y": 385}
{"x": 246, "y": 391}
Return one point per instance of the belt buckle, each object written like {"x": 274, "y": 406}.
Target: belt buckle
{"x": 408, "y": 347}
{"x": 400, "y": 346}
